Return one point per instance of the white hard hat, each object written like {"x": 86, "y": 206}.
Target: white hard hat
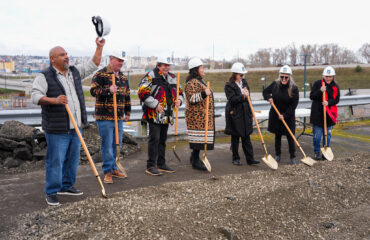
{"x": 102, "y": 26}
{"x": 194, "y": 62}
{"x": 164, "y": 60}
{"x": 328, "y": 71}
{"x": 286, "y": 69}
{"x": 119, "y": 55}
{"x": 238, "y": 68}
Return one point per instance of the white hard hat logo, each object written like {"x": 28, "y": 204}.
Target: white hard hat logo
{"x": 285, "y": 69}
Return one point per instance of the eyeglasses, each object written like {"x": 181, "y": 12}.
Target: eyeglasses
{"x": 284, "y": 77}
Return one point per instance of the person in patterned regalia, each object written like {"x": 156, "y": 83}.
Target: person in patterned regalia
{"x": 157, "y": 93}
{"x": 196, "y": 92}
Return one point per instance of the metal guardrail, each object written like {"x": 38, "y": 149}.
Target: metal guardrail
{"x": 33, "y": 116}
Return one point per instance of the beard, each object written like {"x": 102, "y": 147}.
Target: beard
{"x": 66, "y": 66}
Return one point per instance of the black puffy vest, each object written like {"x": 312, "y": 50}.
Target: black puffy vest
{"x": 55, "y": 118}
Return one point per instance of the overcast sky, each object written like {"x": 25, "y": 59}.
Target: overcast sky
{"x": 187, "y": 27}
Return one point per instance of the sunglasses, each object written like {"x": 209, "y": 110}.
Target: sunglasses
{"x": 284, "y": 77}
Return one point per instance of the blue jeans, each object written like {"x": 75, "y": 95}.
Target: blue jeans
{"x": 62, "y": 158}
{"x": 318, "y": 132}
{"x": 108, "y": 143}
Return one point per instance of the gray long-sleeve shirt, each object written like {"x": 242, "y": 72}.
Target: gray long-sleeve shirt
{"x": 40, "y": 88}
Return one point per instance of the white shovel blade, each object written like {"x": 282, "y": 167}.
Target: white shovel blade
{"x": 270, "y": 162}
{"x": 308, "y": 161}
{"x": 206, "y": 163}
{"x": 328, "y": 153}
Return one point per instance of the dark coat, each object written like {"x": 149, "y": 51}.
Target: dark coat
{"x": 55, "y": 118}
{"x": 317, "y": 115}
{"x": 237, "y": 113}
{"x": 285, "y": 104}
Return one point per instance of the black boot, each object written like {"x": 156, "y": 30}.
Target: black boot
{"x": 252, "y": 161}
{"x": 197, "y": 162}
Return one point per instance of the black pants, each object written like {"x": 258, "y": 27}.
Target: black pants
{"x": 246, "y": 145}
{"x": 278, "y": 145}
{"x": 157, "y": 144}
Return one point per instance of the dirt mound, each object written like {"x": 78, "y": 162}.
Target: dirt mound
{"x": 328, "y": 201}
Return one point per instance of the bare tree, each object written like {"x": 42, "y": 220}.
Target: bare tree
{"x": 335, "y": 49}
{"x": 284, "y": 55}
{"x": 293, "y": 54}
{"x": 264, "y": 56}
{"x": 365, "y": 52}
{"x": 324, "y": 51}
{"x": 306, "y": 50}
{"x": 276, "y": 57}
{"x": 316, "y": 58}
{"x": 347, "y": 56}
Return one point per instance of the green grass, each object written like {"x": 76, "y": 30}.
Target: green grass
{"x": 346, "y": 77}
{"x": 2, "y": 91}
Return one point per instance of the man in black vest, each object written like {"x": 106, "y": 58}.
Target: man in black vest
{"x": 58, "y": 85}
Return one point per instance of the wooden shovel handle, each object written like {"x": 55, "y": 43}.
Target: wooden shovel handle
{"x": 255, "y": 119}
{"x": 324, "y": 110}
{"x": 82, "y": 141}
{"x": 286, "y": 125}
{"x": 177, "y": 98}
{"x": 115, "y": 109}
{"x": 206, "y": 126}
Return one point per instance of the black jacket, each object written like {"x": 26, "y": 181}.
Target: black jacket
{"x": 285, "y": 104}
{"x": 55, "y": 118}
{"x": 317, "y": 114}
{"x": 237, "y": 113}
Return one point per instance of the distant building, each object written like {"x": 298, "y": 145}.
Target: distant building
{"x": 6, "y": 65}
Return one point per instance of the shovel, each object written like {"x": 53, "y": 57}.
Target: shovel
{"x": 120, "y": 167}
{"x": 267, "y": 159}
{"x": 326, "y": 151}
{"x": 204, "y": 157}
{"x": 86, "y": 151}
{"x": 177, "y": 117}
{"x": 306, "y": 160}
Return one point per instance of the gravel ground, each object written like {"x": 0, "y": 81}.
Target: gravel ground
{"x": 327, "y": 201}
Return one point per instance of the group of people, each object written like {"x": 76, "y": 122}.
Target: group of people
{"x": 60, "y": 84}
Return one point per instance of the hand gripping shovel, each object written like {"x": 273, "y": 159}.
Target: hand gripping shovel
{"x": 326, "y": 151}
{"x": 177, "y": 118}
{"x": 306, "y": 160}
{"x": 204, "y": 157}
{"x": 86, "y": 151}
{"x": 268, "y": 159}
{"x": 120, "y": 167}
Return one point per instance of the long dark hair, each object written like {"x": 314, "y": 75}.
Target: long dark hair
{"x": 233, "y": 77}
{"x": 193, "y": 73}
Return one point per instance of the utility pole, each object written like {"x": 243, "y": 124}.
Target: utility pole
{"x": 5, "y": 78}
{"x": 213, "y": 51}
{"x": 138, "y": 54}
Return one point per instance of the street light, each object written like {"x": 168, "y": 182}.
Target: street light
{"x": 264, "y": 78}
{"x": 304, "y": 82}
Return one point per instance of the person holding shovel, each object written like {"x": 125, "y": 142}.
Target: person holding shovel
{"x": 330, "y": 88}
{"x": 58, "y": 85}
{"x": 239, "y": 121}
{"x": 196, "y": 92}
{"x": 283, "y": 92}
{"x": 157, "y": 92}
{"x": 102, "y": 88}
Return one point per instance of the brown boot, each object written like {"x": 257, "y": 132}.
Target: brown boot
{"x": 108, "y": 177}
{"x": 118, "y": 174}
